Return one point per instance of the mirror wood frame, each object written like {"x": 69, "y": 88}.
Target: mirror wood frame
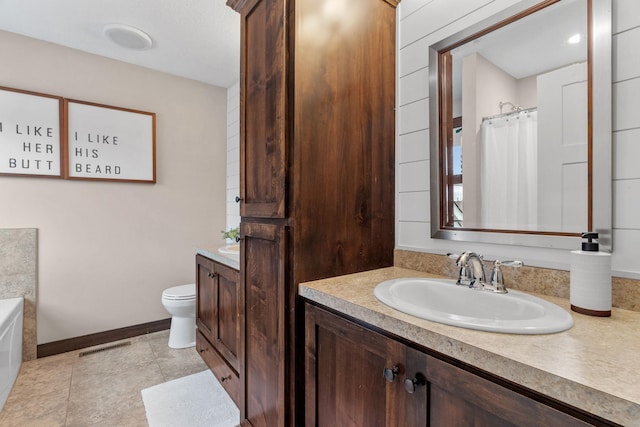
{"x": 600, "y": 131}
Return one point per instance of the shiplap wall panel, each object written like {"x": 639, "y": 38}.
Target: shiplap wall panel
{"x": 625, "y": 104}
{"x": 414, "y": 206}
{"x": 626, "y": 154}
{"x": 629, "y": 191}
{"x": 413, "y": 235}
{"x": 414, "y": 87}
{"x": 412, "y": 146}
{"x": 413, "y": 57}
{"x": 407, "y": 7}
{"x": 625, "y": 54}
{"x": 413, "y": 176}
{"x": 414, "y": 116}
{"x": 625, "y": 15}
{"x": 437, "y": 14}
{"x": 626, "y": 134}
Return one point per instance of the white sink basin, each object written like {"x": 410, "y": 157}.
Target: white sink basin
{"x": 445, "y": 302}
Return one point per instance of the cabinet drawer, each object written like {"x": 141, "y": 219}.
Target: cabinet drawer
{"x": 223, "y": 372}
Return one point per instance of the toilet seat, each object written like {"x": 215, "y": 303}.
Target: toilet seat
{"x": 180, "y": 293}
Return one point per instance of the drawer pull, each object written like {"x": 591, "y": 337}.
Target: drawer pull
{"x": 223, "y": 379}
{"x": 390, "y": 374}
{"x": 411, "y": 384}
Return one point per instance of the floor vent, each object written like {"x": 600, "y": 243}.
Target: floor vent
{"x": 105, "y": 348}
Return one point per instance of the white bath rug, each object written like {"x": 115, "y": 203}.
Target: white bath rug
{"x": 197, "y": 400}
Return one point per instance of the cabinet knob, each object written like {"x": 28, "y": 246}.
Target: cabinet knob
{"x": 390, "y": 374}
{"x": 238, "y": 199}
{"x": 202, "y": 350}
{"x": 411, "y": 384}
{"x": 238, "y": 239}
{"x": 212, "y": 275}
{"x": 223, "y": 379}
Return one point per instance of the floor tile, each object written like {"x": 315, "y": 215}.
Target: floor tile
{"x": 49, "y": 409}
{"x": 101, "y": 389}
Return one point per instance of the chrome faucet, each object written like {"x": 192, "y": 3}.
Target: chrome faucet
{"x": 472, "y": 272}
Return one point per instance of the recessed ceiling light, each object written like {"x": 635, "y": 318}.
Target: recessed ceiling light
{"x": 128, "y": 36}
{"x": 574, "y": 39}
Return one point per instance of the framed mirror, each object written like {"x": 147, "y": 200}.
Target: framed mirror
{"x": 520, "y": 125}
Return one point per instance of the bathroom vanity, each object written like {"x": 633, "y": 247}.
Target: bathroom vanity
{"x": 383, "y": 367}
{"x": 219, "y": 318}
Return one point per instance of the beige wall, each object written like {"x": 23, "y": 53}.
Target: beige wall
{"x": 107, "y": 250}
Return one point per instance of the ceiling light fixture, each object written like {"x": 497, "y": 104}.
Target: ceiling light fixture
{"x": 128, "y": 36}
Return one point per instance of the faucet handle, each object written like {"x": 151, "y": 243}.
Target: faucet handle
{"x": 511, "y": 263}
{"x": 496, "y": 283}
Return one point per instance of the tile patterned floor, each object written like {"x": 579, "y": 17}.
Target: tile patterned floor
{"x": 99, "y": 389}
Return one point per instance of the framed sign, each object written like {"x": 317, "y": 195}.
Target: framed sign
{"x": 30, "y": 129}
{"x": 110, "y": 143}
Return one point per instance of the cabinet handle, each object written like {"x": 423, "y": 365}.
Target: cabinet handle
{"x": 238, "y": 239}
{"x": 202, "y": 350}
{"x": 223, "y": 379}
{"x": 212, "y": 275}
{"x": 238, "y": 199}
{"x": 390, "y": 374}
{"x": 411, "y": 384}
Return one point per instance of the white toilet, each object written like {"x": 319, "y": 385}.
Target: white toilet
{"x": 180, "y": 301}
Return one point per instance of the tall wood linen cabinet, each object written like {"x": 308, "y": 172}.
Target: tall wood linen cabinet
{"x": 317, "y": 131}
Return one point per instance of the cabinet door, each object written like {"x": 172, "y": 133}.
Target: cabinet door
{"x": 344, "y": 381}
{"x": 206, "y": 311}
{"x": 262, "y": 109}
{"x": 459, "y": 399}
{"x": 343, "y": 153}
{"x": 263, "y": 261}
{"x": 227, "y": 333}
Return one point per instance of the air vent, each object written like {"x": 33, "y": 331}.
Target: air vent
{"x": 105, "y": 348}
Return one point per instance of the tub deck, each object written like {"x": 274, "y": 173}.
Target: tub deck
{"x": 11, "y": 312}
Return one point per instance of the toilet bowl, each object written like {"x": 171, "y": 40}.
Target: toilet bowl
{"x": 180, "y": 302}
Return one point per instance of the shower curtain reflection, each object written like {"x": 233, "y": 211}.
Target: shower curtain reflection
{"x": 509, "y": 171}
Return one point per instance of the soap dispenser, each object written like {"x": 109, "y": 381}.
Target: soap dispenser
{"x": 590, "y": 279}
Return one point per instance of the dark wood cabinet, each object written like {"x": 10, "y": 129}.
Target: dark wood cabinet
{"x": 357, "y": 377}
{"x": 263, "y": 261}
{"x": 263, "y": 92}
{"x": 344, "y": 381}
{"x": 317, "y": 139}
{"x": 205, "y": 297}
{"x": 219, "y": 320}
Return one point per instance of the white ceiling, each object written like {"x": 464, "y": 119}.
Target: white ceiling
{"x": 531, "y": 46}
{"x": 537, "y": 43}
{"x": 196, "y": 39}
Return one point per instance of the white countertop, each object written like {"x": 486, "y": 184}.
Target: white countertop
{"x": 594, "y": 366}
{"x": 229, "y": 260}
